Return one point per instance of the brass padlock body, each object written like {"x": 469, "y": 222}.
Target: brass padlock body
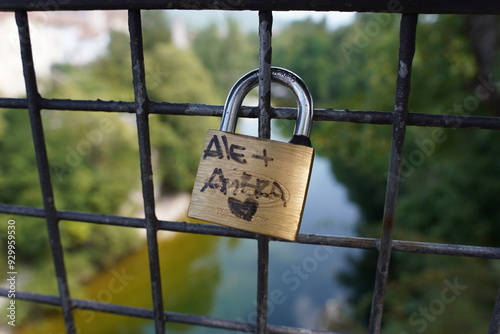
{"x": 254, "y": 184}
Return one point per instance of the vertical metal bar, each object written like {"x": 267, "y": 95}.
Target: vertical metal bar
{"x": 406, "y": 53}
{"x": 262, "y": 283}
{"x": 495, "y": 317}
{"x": 265, "y": 55}
{"x": 142, "y": 114}
{"x": 34, "y": 109}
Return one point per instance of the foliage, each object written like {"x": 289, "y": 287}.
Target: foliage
{"x": 178, "y": 140}
{"x": 227, "y": 54}
{"x": 336, "y": 81}
{"x": 155, "y": 29}
{"x": 93, "y": 157}
{"x": 172, "y": 75}
{"x": 354, "y": 67}
{"x": 82, "y": 153}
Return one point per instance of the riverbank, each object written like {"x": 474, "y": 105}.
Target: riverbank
{"x": 171, "y": 207}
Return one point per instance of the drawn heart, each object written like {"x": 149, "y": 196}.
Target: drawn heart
{"x": 244, "y": 210}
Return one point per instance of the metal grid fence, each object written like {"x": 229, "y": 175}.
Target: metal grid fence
{"x": 142, "y": 107}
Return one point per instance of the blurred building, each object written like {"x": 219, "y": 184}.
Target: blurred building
{"x": 75, "y": 37}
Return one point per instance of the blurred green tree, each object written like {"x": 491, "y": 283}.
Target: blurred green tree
{"x": 449, "y": 177}
{"x": 94, "y": 156}
{"x": 178, "y": 76}
{"x": 228, "y": 53}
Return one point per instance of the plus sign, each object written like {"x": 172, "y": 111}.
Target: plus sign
{"x": 263, "y": 157}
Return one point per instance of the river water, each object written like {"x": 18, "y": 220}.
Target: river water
{"x": 216, "y": 276}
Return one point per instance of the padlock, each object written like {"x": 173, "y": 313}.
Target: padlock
{"x": 256, "y": 184}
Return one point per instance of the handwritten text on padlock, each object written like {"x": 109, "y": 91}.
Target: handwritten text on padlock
{"x": 246, "y": 191}
{"x": 214, "y": 149}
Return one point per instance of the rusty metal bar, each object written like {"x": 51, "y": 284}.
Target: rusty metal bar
{"x": 33, "y": 99}
{"x": 262, "y": 283}
{"x": 331, "y": 115}
{"x": 403, "y": 83}
{"x": 215, "y": 230}
{"x": 142, "y": 112}
{"x": 190, "y": 319}
{"x": 265, "y": 56}
{"x": 495, "y": 317}
{"x": 400, "y": 6}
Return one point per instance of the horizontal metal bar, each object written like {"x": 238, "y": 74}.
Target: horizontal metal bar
{"x": 198, "y": 320}
{"x": 453, "y": 121}
{"x": 22, "y": 210}
{"x": 334, "y": 115}
{"x": 222, "y": 231}
{"x": 405, "y": 6}
{"x": 85, "y": 217}
{"x": 402, "y": 246}
{"x": 446, "y": 249}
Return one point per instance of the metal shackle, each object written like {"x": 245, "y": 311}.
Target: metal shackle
{"x": 278, "y": 75}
